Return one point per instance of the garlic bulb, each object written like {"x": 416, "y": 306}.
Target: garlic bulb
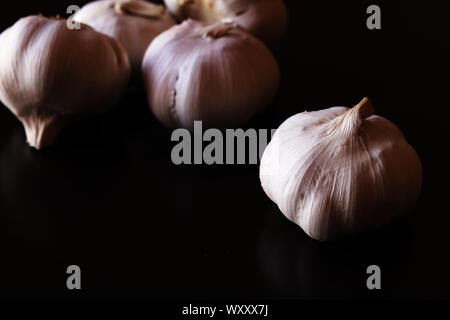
{"x": 135, "y": 23}
{"x": 216, "y": 73}
{"x": 50, "y": 74}
{"x": 340, "y": 171}
{"x": 265, "y": 19}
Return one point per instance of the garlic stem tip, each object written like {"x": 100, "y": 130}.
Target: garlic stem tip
{"x": 219, "y": 30}
{"x": 365, "y": 108}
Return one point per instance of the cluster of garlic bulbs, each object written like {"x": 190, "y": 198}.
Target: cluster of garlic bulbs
{"x": 265, "y": 19}
{"x": 212, "y": 71}
{"x": 135, "y": 23}
{"x": 333, "y": 172}
{"x": 217, "y": 73}
{"x": 340, "y": 171}
{"x": 50, "y": 75}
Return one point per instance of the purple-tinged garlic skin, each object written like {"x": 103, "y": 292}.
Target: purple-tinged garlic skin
{"x": 50, "y": 75}
{"x": 135, "y": 23}
{"x": 265, "y": 19}
{"x": 216, "y": 73}
{"x": 340, "y": 171}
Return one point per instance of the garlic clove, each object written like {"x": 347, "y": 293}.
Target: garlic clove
{"x": 340, "y": 171}
{"x": 265, "y": 19}
{"x": 50, "y": 74}
{"x": 134, "y": 23}
{"x": 217, "y": 73}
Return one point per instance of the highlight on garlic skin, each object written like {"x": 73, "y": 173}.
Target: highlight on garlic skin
{"x": 340, "y": 171}
{"x": 135, "y": 23}
{"x": 50, "y": 75}
{"x": 265, "y": 19}
{"x": 217, "y": 73}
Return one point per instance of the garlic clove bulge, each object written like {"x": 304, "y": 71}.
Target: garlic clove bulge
{"x": 217, "y": 73}
{"x": 265, "y": 19}
{"x": 140, "y": 9}
{"x": 50, "y": 74}
{"x": 135, "y": 23}
{"x": 340, "y": 171}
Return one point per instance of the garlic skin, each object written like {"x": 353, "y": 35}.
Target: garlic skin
{"x": 50, "y": 75}
{"x": 217, "y": 73}
{"x": 135, "y": 23}
{"x": 265, "y": 19}
{"x": 340, "y": 171}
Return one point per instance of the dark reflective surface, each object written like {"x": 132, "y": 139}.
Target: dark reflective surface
{"x": 107, "y": 197}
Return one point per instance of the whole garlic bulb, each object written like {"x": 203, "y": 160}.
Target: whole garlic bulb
{"x": 340, "y": 171}
{"x": 217, "y": 73}
{"x": 265, "y": 19}
{"x": 135, "y": 23}
{"x": 50, "y": 74}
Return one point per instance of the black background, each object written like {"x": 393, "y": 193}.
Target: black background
{"x": 106, "y": 197}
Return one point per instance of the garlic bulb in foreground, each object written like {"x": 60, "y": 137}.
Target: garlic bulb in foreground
{"x": 340, "y": 171}
{"x": 265, "y": 19}
{"x": 50, "y": 74}
{"x": 216, "y": 73}
{"x": 135, "y": 23}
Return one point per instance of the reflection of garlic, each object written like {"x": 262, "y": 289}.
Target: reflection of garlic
{"x": 133, "y": 22}
{"x": 49, "y": 74}
{"x": 217, "y": 73}
{"x": 339, "y": 171}
{"x": 265, "y": 19}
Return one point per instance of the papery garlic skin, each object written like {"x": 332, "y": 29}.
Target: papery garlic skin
{"x": 265, "y": 19}
{"x": 50, "y": 74}
{"x": 340, "y": 171}
{"x": 215, "y": 73}
{"x": 135, "y": 23}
